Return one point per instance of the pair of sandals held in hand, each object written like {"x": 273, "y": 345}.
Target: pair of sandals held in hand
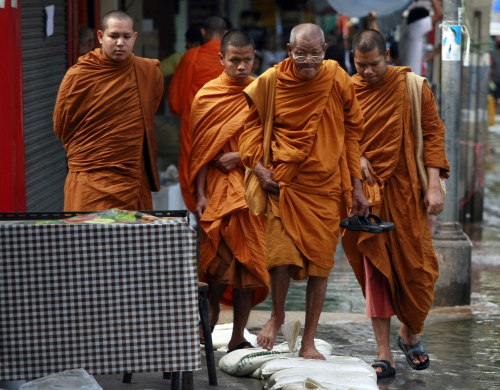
{"x": 370, "y": 224}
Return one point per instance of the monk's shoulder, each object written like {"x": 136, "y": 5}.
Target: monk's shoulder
{"x": 147, "y": 62}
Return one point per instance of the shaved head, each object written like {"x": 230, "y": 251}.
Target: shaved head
{"x": 118, "y": 15}
{"x": 306, "y": 31}
{"x": 214, "y": 25}
{"x": 368, "y": 40}
{"x": 236, "y": 38}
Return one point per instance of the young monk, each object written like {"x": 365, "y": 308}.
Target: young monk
{"x": 317, "y": 126}
{"x": 396, "y": 270}
{"x": 232, "y": 254}
{"x": 197, "y": 67}
{"x": 104, "y": 116}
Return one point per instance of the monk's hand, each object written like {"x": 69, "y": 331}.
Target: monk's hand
{"x": 266, "y": 178}
{"x": 359, "y": 203}
{"x": 226, "y": 161}
{"x": 201, "y": 205}
{"x": 366, "y": 170}
{"x": 433, "y": 200}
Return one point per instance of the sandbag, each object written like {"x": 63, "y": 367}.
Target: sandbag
{"x": 243, "y": 362}
{"x": 349, "y": 364}
{"x": 336, "y": 379}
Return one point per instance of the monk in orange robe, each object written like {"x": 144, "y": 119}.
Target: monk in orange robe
{"x": 197, "y": 67}
{"x": 316, "y": 128}
{"x": 104, "y": 115}
{"x": 232, "y": 253}
{"x": 396, "y": 270}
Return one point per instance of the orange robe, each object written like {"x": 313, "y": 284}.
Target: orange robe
{"x": 217, "y": 116}
{"x": 197, "y": 67}
{"x": 405, "y": 256}
{"x": 104, "y": 116}
{"x": 315, "y": 150}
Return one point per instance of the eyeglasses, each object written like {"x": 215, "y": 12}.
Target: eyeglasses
{"x": 302, "y": 59}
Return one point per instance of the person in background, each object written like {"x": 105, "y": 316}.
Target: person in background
{"x": 197, "y": 67}
{"x": 396, "y": 270}
{"x": 104, "y": 116}
{"x": 257, "y": 64}
{"x": 412, "y": 42}
{"x": 316, "y": 128}
{"x": 194, "y": 38}
{"x": 85, "y": 40}
{"x": 233, "y": 244}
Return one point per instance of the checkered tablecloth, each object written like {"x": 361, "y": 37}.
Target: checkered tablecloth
{"x": 107, "y": 298}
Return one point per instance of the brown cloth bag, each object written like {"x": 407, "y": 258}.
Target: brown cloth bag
{"x": 414, "y": 83}
{"x": 255, "y": 195}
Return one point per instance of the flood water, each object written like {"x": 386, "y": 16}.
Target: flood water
{"x": 463, "y": 342}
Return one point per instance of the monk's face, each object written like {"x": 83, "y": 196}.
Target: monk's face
{"x": 117, "y": 40}
{"x": 371, "y": 65}
{"x": 307, "y": 55}
{"x": 238, "y": 62}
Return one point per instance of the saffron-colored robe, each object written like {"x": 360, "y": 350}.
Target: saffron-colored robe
{"x": 315, "y": 150}
{"x": 405, "y": 256}
{"x": 197, "y": 67}
{"x": 104, "y": 115}
{"x": 217, "y": 116}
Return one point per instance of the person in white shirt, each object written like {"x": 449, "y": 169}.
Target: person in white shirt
{"x": 412, "y": 42}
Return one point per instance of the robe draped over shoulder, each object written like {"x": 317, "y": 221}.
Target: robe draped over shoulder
{"x": 197, "y": 67}
{"x": 217, "y": 116}
{"x": 405, "y": 256}
{"x": 104, "y": 116}
{"x": 315, "y": 150}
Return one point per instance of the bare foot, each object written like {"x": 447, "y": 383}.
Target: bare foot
{"x": 267, "y": 335}
{"x": 310, "y": 353}
{"x": 410, "y": 339}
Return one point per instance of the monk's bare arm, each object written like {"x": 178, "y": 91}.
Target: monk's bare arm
{"x": 366, "y": 170}
{"x": 434, "y": 202}
{"x": 226, "y": 161}
{"x": 266, "y": 178}
{"x": 201, "y": 199}
{"x": 359, "y": 203}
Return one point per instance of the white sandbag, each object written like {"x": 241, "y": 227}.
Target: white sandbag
{"x": 350, "y": 380}
{"x": 310, "y": 384}
{"x": 222, "y": 335}
{"x": 243, "y": 362}
{"x": 331, "y": 364}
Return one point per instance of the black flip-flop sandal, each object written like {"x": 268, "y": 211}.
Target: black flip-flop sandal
{"x": 414, "y": 351}
{"x": 387, "y": 369}
{"x": 243, "y": 345}
{"x": 358, "y": 223}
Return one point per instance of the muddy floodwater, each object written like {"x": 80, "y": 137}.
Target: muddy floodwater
{"x": 463, "y": 342}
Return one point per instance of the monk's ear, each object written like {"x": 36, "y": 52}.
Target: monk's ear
{"x": 388, "y": 55}
{"x": 100, "y": 35}
{"x": 221, "y": 58}
{"x": 289, "y": 49}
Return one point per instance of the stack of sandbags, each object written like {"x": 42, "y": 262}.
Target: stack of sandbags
{"x": 282, "y": 369}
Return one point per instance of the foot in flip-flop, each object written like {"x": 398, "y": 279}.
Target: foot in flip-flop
{"x": 243, "y": 345}
{"x": 413, "y": 352}
{"x": 359, "y": 223}
{"x": 387, "y": 369}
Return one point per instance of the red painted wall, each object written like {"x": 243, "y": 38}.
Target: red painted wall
{"x": 12, "y": 177}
